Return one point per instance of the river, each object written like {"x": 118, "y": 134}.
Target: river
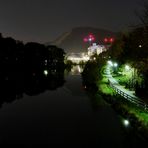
{"x": 64, "y": 116}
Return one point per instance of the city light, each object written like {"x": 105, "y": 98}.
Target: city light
{"x": 109, "y": 40}
{"x": 45, "y": 62}
{"x": 115, "y": 64}
{"x": 127, "y": 67}
{"x": 105, "y": 40}
{"x": 126, "y": 122}
{"x": 85, "y": 40}
{"x": 45, "y": 72}
{"x": 110, "y": 63}
{"x": 89, "y": 38}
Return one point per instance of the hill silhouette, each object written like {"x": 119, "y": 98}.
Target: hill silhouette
{"x": 72, "y": 41}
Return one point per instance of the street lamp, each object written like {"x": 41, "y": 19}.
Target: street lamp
{"x": 127, "y": 67}
{"x": 115, "y": 64}
{"x": 110, "y": 63}
{"x": 126, "y": 122}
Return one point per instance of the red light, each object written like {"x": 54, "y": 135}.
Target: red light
{"x": 111, "y": 40}
{"x": 92, "y": 38}
{"x": 105, "y": 40}
{"x": 85, "y": 39}
{"x": 89, "y": 38}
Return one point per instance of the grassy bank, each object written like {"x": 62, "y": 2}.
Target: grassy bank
{"x": 137, "y": 116}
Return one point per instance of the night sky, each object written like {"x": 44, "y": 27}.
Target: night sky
{"x": 44, "y": 20}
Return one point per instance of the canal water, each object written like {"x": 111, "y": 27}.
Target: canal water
{"x": 62, "y": 114}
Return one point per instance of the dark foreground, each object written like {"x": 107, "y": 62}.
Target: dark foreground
{"x": 63, "y": 116}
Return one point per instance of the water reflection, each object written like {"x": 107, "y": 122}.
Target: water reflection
{"x": 16, "y": 81}
{"x": 76, "y": 70}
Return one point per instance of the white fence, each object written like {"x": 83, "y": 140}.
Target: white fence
{"x": 134, "y": 100}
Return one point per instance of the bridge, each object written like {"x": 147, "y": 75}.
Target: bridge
{"x": 77, "y": 57}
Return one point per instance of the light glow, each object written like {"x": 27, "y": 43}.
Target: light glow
{"x": 111, "y": 40}
{"x": 105, "y": 40}
{"x": 85, "y": 40}
{"x": 110, "y": 63}
{"x": 45, "y": 72}
{"x": 127, "y": 67}
{"x": 115, "y": 64}
{"x": 126, "y": 122}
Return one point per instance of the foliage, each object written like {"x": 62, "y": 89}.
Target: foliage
{"x": 30, "y": 54}
{"x": 90, "y": 75}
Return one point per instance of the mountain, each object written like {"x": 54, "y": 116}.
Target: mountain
{"x": 72, "y": 41}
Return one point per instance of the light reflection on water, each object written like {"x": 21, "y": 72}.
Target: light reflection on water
{"x": 76, "y": 70}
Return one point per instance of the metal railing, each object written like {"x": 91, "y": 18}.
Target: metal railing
{"x": 134, "y": 100}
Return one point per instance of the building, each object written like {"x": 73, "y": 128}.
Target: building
{"x": 77, "y": 57}
{"x": 96, "y": 49}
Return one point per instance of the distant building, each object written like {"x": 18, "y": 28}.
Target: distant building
{"x": 85, "y": 56}
{"x": 96, "y": 49}
{"x": 77, "y": 57}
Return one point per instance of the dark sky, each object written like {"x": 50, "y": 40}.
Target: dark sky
{"x": 45, "y": 20}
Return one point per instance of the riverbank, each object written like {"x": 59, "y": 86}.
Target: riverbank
{"x": 135, "y": 115}
{"x": 95, "y": 80}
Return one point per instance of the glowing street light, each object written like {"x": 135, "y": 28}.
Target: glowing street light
{"x": 126, "y": 123}
{"x": 45, "y": 72}
{"x": 127, "y": 67}
{"x": 115, "y": 64}
{"x": 110, "y": 63}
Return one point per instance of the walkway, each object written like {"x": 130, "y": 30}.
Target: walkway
{"x": 127, "y": 94}
{"x": 115, "y": 83}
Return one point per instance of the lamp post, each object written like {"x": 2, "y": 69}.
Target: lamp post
{"x": 113, "y": 65}
{"x": 130, "y": 75}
